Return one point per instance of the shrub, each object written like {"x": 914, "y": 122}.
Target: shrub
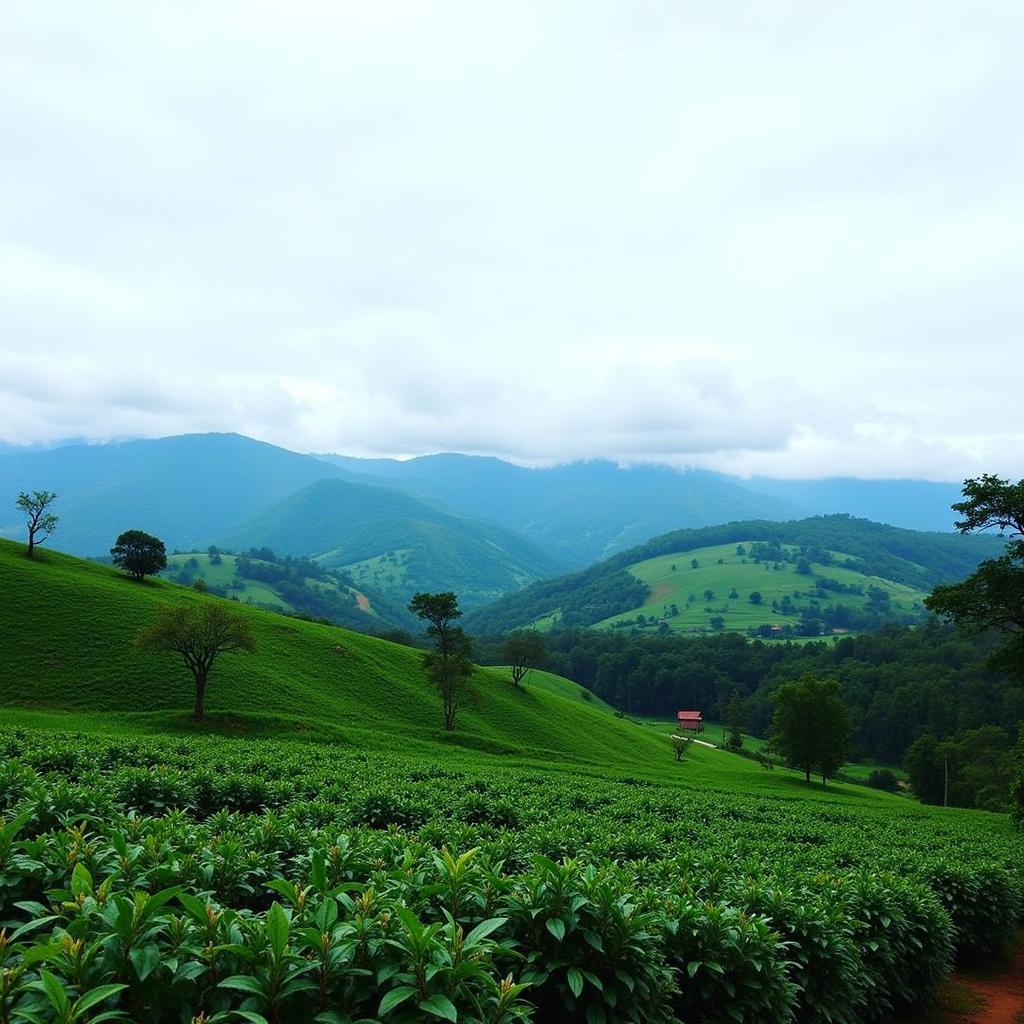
{"x": 983, "y": 902}
{"x": 590, "y": 953}
{"x": 883, "y": 778}
{"x": 731, "y": 965}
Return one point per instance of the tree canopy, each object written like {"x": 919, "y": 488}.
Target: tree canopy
{"x": 992, "y": 597}
{"x": 524, "y": 650}
{"x": 811, "y": 725}
{"x": 448, "y": 665}
{"x": 139, "y": 554}
{"x": 39, "y": 521}
{"x": 198, "y": 632}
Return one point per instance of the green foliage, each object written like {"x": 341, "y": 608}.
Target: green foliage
{"x": 449, "y": 664}
{"x": 811, "y": 725}
{"x": 992, "y": 597}
{"x": 198, "y": 633}
{"x": 883, "y": 778}
{"x": 39, "y": 523}
{"x": 260, "y": 879}
{"x": 523, "y": 650}
{"x": 984, "y": 902}
{"x": 974, "y": 770}
{"x": 139, "y": 554}
{"x": 730, "y": 962}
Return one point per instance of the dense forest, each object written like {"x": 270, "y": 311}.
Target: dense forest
{"x": 899, "y": 683}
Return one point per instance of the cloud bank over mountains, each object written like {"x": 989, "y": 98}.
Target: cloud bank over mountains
{"x": 778, "y": 239}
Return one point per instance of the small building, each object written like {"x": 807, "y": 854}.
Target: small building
{"x": 689, "y": 721}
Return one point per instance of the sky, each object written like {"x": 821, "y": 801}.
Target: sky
{"x": 763, "y": 238}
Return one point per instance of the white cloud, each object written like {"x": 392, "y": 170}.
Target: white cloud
{"x": 763, "y": 238}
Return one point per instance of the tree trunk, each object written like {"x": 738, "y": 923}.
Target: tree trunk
{"x": 31, "y": 544}
{"x": 807, "y": 774}
{"x": 200, "y": 709}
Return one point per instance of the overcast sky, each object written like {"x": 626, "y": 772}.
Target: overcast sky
{"x": 782, "y": 238}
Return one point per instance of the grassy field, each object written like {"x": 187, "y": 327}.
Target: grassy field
{"x": 731, "y": 579}
{"x": 222, "y": 574}
{"x": 385, "y": 572}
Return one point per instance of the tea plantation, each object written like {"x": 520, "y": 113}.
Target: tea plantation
{"x": 548, "y": 862}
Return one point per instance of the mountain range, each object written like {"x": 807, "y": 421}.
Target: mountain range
{"x": 481, "y": 526}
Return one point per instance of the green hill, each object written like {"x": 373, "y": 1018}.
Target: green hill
{"x": 392, "y": 541}
{"x": 290, "y": 585}
{"x": 865, "y": 572}
{"x": 67, "y": 634}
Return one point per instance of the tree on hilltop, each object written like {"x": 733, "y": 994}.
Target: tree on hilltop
{"x": 40, "y": 523}
{"x": 448, "y": 665}
{"x": 198, "y": 632}
{"x": 139, "y": 554}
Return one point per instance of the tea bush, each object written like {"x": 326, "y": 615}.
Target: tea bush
{"x": 230, "y": 880}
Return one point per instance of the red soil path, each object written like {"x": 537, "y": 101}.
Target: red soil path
{"x": 1002, "y": 995}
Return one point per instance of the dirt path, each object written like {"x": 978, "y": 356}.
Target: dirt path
{"x": 984, "y": 998}
{"x": 1001, "y": 995}
{"x": 703, "y": 743}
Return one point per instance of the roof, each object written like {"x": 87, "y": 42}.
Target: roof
{"x": 688, "y": 714}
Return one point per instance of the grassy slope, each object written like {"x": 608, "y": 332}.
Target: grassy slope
{"x": 67, "y": 633}
{"x": 69, "y": 663}
{"x": 223, "y": 575}
{"x": 672, "y": 580}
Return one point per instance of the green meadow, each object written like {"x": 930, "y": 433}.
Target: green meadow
{"x": 679, "y": 592}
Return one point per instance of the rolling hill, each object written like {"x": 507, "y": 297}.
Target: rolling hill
{"x": 290, "y": 585}
{"x": 877, "y": 573}
{"x": 68, "y": 632}
{"x": 396, "y": 543}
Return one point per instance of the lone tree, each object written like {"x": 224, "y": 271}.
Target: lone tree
{"x": 139, "y": 554}
{"x": 810, "y": 725}
{"x": 198, "y": 632}
{"x": 523, "y": 650}
{"x": 448, "y": 665}
{"x": 992, "y": 597}
{"x": 734, "y": 720}
{"x": 40, "y": 523}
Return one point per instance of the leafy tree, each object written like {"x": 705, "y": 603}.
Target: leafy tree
{"x": 448, "y": 665}
{"x": 734, "y": 720}
{"x": 198, "y": 632}
{"x": 756, "y": 597}
{"x": 40, "y": 523}
{"x": 139, "y": 554}
{"x": 717, "y": 622}
{"x": 811, "y": 725}
{"x": 992, "y": 597}
{"x": 524, "y": 650}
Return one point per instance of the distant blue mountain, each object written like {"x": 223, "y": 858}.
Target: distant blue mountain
{"x": 186, "y": 490}
{"x": 584, "y": 511}
{"x": 912, "y": 504}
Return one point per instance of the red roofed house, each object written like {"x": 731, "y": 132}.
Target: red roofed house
{"x": 689, "y": 721}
